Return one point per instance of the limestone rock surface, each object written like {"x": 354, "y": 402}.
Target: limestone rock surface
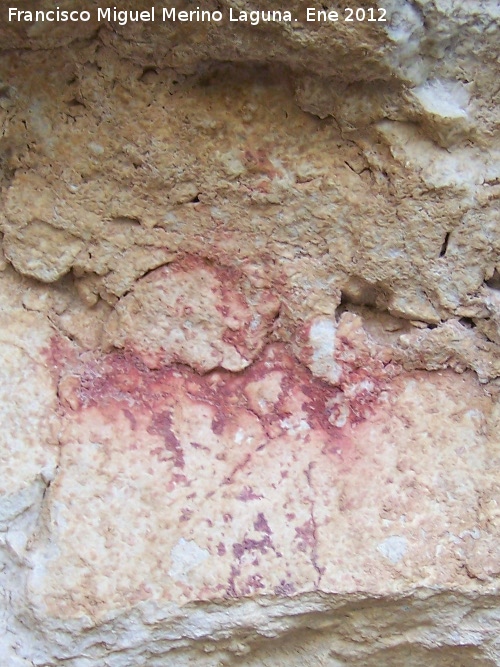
{"x": 193, "y": 314}
{"x": 250, "y": 338}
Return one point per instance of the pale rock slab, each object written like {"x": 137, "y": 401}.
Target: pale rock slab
{"x": 29, "y": 455}
{"x": 42, "y": 251}
{"x": 221, "y": 487}
{"x": 29, "y": 414}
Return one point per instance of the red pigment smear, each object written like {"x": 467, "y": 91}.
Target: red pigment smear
{"x": 305, "y": 535}
{"x": 245, "y": 324}
{"x": 248, "y": 494}
{"x": 261, "y": 524}
{"x": 257, "y": 160}
{"x": 161, "y": 424}
{"x": 119, "y": 381}
{"x": 285, "y": 588}
{"x": 58, "y": 355}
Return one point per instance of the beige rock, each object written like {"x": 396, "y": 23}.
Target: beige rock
{"x": 42, "y": 251}
{"x": 29, "y": 418}
{"x": 29, "y": 456}
{"x": 175, "y": 488}
{"x": 192, "y": 313}
{"x": 249, "y": 339}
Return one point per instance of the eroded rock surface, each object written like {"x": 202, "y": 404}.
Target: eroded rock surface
{"x": 193, "y": 313}
{"x": 249, "y": 340}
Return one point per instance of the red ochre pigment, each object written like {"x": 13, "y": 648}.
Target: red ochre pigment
{"x": 297, "y": 405}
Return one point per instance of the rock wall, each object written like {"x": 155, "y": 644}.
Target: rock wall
{"x": 250, "y": 336}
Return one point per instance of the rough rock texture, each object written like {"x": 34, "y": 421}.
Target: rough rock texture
{"x": 250, "y": 339}
{"x": 198, "y": 316}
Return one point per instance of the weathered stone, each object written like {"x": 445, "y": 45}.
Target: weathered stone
{"x": 249, "y": 341}
{"x": 193, "y": 313}
{"x": 41, "y": 251}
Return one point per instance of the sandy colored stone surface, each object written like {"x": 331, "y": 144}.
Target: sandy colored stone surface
{"x": 271, "y": 499}
{"x": 29, "y": 420}
{"x": 193, "y": 313}
{"x": 250, "y": 340}
{"x": 177, "y": 488}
